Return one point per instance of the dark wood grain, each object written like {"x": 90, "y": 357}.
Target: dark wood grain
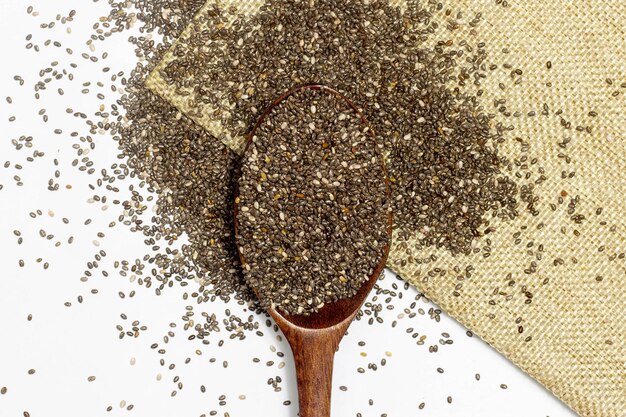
{"x": 314, "y": 338}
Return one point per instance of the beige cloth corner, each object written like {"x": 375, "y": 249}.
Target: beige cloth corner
{"x": 573, "y": 333}
{"x": 185, "y": 103}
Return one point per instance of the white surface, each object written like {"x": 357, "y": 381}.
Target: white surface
{"x": 68, "y": 344}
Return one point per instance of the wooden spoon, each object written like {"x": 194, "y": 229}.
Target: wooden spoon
{"x": 314, "y": 338}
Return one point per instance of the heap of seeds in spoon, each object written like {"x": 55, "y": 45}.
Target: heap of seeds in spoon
{"x": 313, "y": 209}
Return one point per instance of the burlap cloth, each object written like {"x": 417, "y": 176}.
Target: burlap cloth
{"x": 571, "y": 336}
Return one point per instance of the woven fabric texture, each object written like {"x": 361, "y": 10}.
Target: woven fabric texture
{"x": 561, "y": 318}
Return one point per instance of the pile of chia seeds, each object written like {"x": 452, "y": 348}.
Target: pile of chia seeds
{"x": 313, "y": 204}
{"x": 447, "y": 176}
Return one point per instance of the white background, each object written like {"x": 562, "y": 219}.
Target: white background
{"x": 66, "y": 345}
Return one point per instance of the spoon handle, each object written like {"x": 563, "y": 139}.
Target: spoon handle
{"x": 314, "y": 351}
